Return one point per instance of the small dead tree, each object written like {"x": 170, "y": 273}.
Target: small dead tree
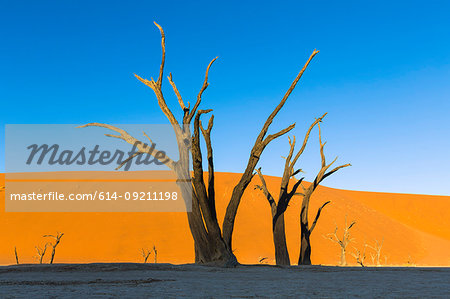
{"x": 17, "y": 256}
{"x": 155, "y": 256}
{"x": 279, "y": 207}
{"x": 212, "y": 242}
{"x": 344, "y": 241}
{"x": 360, "y": 256}
{"x": 57, "y": 238}
{"x": 41, "y": 252}
{"x": 410, "y": 261}
{"x": 377, "y": 255}
{"x": 306, "y": 230}
{"x": 145, "y": 254}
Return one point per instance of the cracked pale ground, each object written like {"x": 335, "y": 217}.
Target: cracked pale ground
{"x": 168, "y": 281}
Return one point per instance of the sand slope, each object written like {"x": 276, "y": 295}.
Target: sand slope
{"x": 415, "y": 229}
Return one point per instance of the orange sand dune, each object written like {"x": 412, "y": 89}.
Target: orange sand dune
{"x": 415, "y": 229}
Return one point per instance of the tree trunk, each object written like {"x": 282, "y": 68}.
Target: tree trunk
{"x": 215, "y": 253}
{"x": 305, "y": 247}
{"x": 279, "y": 239}
{"x": 53, "y": 256}
{"x": 209, "y": 247}
{"x": 343, "y": 259}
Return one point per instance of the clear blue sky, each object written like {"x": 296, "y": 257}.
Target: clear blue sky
{"x": 383, "y": 75}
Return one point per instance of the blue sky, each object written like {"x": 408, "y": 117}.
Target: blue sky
{"x": 383, "y": 76}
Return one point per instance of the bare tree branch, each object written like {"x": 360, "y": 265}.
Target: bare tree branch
{"x": 263, "y": 188}
{"x": 199, "y": 96}
{"x": 142, "y": 147}
{"x": 313, "y": 225}
{"x": 305, "y": 140}
{"x": 163, "y": 46}
{"x": 177, "y": 93}
{"x": 285, "y": 97}
{"x": 271, "y": 137}
{"x": 211, "y": 193}
{"x": 128, "y": 159}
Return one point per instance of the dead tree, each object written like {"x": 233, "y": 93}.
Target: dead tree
{"x": 279, "y": 207}
{"x": 410, "y": 261}
{"x": 57, "y": 238}
{"x": 306, "y": 230}
{"x": 211, "y": 244}
{"x": 344, "y": 241}
{"x": 17, "y": 256}
{"x": 360, "y": 256}
{"x": 41, "y": 252}
{"x": 377, "y": 248}
{"x": 145, "y": 254}
{"x": 155, "y": 254}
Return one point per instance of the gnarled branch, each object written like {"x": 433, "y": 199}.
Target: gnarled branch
{"x": 142, "y": 147}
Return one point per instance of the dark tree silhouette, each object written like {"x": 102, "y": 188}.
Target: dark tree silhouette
{"x": 306, "y": 230}
{"x": 211, "y": 244}
{"x": 279, "y": 207}
{"x": 17, "y": 256}
{"x": 359, "y": 255}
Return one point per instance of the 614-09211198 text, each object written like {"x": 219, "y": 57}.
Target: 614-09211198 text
{"x": 97, "y": 195}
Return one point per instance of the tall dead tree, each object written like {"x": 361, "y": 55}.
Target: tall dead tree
{"x": 57, "y": 238}
{"x": 279, "y": 207}
{"x": 344, "y": 241}
{"x": 211, "y": 245}
{"x": 306, "y": 230}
